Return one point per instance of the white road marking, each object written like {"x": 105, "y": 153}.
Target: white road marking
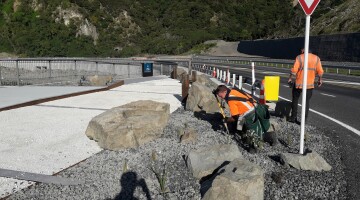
{"x": 328, "y": 95}
{"x": 350, "y": 128}
{"x": 269, "y": 72}
{"x": 342, "y": 82}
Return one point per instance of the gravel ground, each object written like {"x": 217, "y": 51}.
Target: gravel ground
{"x": 127, "y": 174}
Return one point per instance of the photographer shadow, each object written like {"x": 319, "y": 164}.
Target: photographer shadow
{"x": 129, "y": 182}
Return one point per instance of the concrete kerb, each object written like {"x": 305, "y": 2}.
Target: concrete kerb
{"x": 43, "y": 100}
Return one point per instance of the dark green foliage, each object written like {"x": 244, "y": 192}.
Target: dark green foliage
{"x": 164, "y": 27}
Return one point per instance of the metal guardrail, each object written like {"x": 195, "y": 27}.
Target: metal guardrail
{"x": 69, "y": 71}
{"x": 333, "y": 67}
{"x": 26, "y": 71}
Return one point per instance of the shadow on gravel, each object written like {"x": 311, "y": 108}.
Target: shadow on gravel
{"x": 282, "y": 109}
{"x": 213, "y": 118}
{"x": 129, "y": 182}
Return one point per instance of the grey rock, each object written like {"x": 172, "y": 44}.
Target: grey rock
{"x": 239, "y": 180}
{"x": 99, "y": 80}
{"x": 310, "y": 161}
{"x": 201, "y": 98}
{"x": 129, "y": 125}
{"x": 205, "y": 160}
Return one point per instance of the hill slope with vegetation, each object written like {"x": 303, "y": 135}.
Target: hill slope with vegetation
{"x": 121, "y": 28}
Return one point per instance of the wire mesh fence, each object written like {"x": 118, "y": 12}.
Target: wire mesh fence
{"x": 67, "y": 71}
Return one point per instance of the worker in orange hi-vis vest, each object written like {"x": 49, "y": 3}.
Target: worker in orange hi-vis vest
{"x": 314, "y": 68}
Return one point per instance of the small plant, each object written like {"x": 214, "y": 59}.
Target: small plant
{"x": 153, "y": 156}
{"x": 253, "y": 139}
{"x": 306, "y": 136}
{"x": 125, "y": 166}
{"x": 161, "y": 178}
{"x": 181, "y": 132}
{"x": 289, "y": 140}
{"x": 161, "y": 174}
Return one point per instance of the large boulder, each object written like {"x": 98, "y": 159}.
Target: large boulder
{"x": 100, "y": 80}
{"x": 240, "y": 180}
{"x": 310, "y": 161}
{"x": 205, "y": 160}
{"x": 129, "y": 125}
{"x": 201, "y": 98}
{"x": 205, "y": 80}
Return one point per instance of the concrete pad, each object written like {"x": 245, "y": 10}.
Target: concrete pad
{"x": 49, "y": 137}
{"x": 12, "y": 95}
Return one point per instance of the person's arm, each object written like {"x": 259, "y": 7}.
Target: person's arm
{"x": 294, "y": 70}
{"x": 320, "y": 72}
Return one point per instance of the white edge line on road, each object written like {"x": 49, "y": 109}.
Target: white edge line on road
{"x": 342, "y": 82}
{"x": 350, "y": 128}
{"x": 328, "y": 95}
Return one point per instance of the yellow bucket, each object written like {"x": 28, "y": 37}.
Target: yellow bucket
{"x": 272, "y": 84}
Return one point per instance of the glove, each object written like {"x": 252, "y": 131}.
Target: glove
{"x": 291, "y": 84}
{"x": 319, "y": 83}
{"x": 229, "y": 119}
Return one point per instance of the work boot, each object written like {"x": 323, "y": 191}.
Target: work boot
{"x": 294, "y": 120}
{"x": 253, "y": 149}
{"x": 270, "y": 137}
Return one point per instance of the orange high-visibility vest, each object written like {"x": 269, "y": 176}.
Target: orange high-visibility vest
{"x": 239, "y": 107}
{"x": 314, "y": 67}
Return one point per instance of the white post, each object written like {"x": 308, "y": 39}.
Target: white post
{"x": 253, "y": 73}
{"x": 304, "y": 87}
{"x": 220, "y": 75}
{"x": 234, "y": 80}
{"x": 217, "y": 73}
{"x": 228, "y": 77}
{"x": 240, "y": 82}
{"x": 224, "y": 76}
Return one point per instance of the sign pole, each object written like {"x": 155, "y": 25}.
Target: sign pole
{"x": 304, "y": 87}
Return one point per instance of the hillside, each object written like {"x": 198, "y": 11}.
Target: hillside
{"x": 121, "y": 28}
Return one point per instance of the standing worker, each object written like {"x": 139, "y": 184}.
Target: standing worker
{"x": 314, "y": 68}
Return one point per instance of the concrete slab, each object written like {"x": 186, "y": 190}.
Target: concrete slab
{"x": 12, "y": 95}
{"x": 49, "y": 137}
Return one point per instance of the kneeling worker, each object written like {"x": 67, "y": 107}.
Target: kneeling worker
{"x": 240, "y": 105}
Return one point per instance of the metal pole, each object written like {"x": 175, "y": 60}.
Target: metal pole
{"x": 190, "y": 67}
{"x": 76, "y": 74}
{"x": 0, "y": 75}
{"x": 128, "y": 70}
{"x": 114, "y": 69}
{"x": 234, "y": 80}
{"x": 253, "y": 78}
{"x": 49, "y": 68}
{"x": 253, "y": 73}
{"x": 304, "y": 89}
{"x": 240, "y": 82}
{"x": 161, "y": 69}
{"x": 97, "y": 68}
{"x": 18, "y": 72}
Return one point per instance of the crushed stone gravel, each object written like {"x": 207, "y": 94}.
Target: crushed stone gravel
{"x": 131, "y": 173}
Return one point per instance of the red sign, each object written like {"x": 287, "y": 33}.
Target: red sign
{"x": 309, "y": 5}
